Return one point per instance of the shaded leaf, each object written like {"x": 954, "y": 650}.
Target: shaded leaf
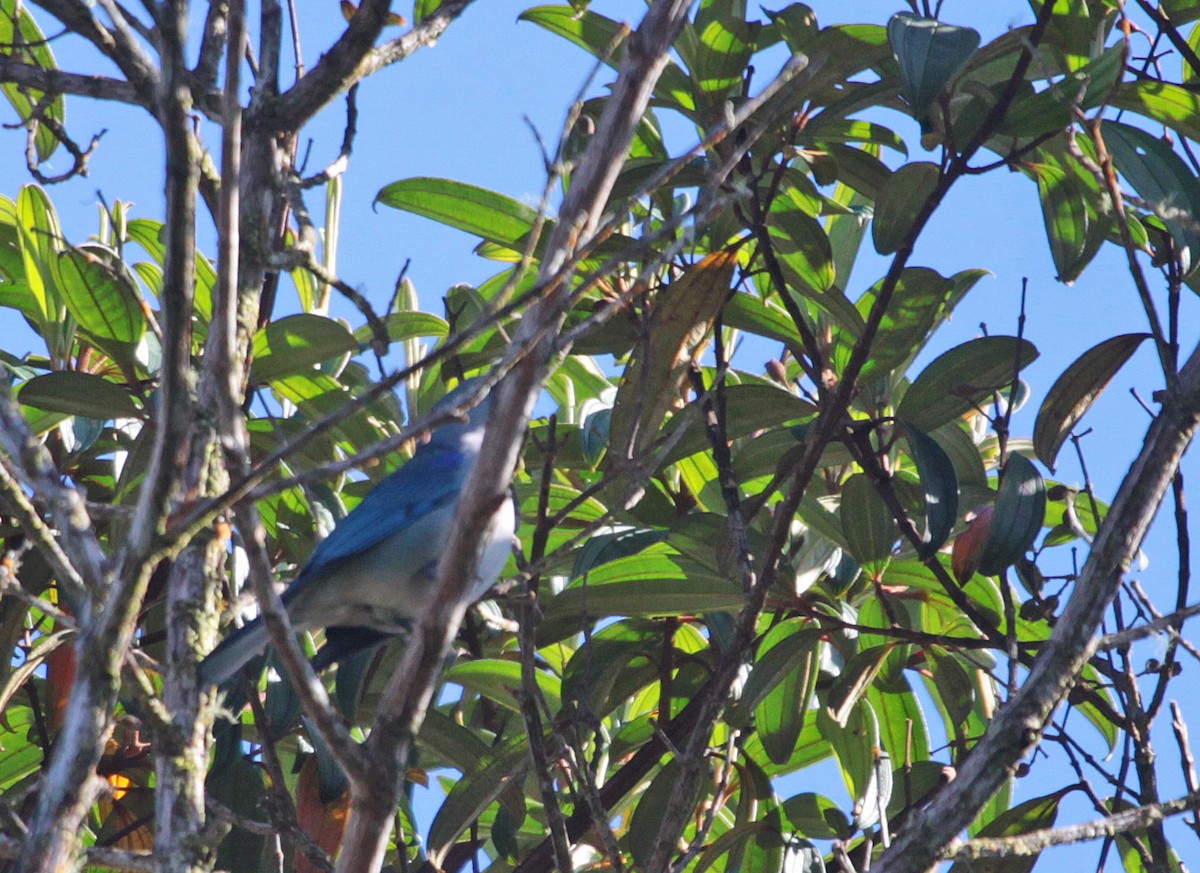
{"x": 1161, "y": 177}
{"x": 75, "y": 393}
{"x": 940, "y": 484}
{"x": 960, "y": 379}
{"x": 680, "y": 326}
{"x": 1076, "y": 390}
{"x": 867, "y": 523}
{"x": 1018, "y": 516}
{"x": 930, "y": 54}
{"x": 475, "y": 791}
{"x": 900, "y": 201}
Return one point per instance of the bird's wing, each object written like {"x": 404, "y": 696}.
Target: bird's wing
{"x": 431, "y": 480}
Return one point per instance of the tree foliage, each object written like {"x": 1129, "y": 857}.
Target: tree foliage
{"x": 763, "y": 537}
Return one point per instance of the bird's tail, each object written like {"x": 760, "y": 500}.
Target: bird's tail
{"x": 234, "y": 652}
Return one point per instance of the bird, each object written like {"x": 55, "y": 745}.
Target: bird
{"x": 367, "y": 580}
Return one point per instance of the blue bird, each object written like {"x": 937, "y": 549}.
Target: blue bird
{"x": 367, "y": 580}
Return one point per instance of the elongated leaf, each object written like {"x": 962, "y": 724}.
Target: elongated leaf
{"x": 930, "y": 54}
{"x": 1076, "y": 390}
{"x": 41, "y": 239}
{"x": 1065, "y": 216}
{"x": 26, "y": 43}
{"x": 955, "y": 691}
{"x": 478, "y": 211}
{"x": 816, "y": 816}
{"x": 854, "y": 743}
{"x": 1161, "y": 177}
{"x": 900, "y": 200}
{"x": 780, "y": 687}
{"x": 867, "y": 523}
{"x": 476, "y": 790}
{"x": 1168, "y": 104}
{"x": 940, "y": 484}
{"x": 402, "y": 326}
{"x": 1020, "y": 511}
{"x": 1032, "y": 815}
{"x": 1076, "y": 209}
{"x": 644, "y": 826}
{"x": 682, "y": 321}
{"x": 297, "y": 343}
{"x": 500, "y": 681}
{"x": 103, "y": 300}
{"x": 1053, "y": 108}
{"x": 803, "y": 248}
{"x": 75, "y": 393}
{"x": 596, "y": 675}
{"x": 639, "y": 585}
{"x": 920, "y": 300}
{"x": 603, "y": 38}
{"x": 962, "y": 378}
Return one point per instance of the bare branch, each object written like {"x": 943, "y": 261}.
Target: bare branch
{"x": 57, "y": 82}
{"x": 348, "y": 62}
{"x": 1035, "y": 842}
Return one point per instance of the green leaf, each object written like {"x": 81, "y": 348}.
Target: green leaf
{"x": 1020, "y": 511}
{"x": 784, "y": 649}
{"x": 764, "y": 318}
{"x": 940, "y": 484}
{"x": 601, "y": 671}
{"x": 644, "y": 584}
{"x": 1032, "y": 815}
{"x": 1053, "y": 108}
{"x": 930, "y": 54}
{"x": 422, "y": 9}
{"x": 1065, "y": 215}
{"x": 854, "y": 742}
{"x": 919, "y": 302}
{"x": 962, "y": 378}
{"x": 724, "y": 45}
{"x": 816, "y": 816}
{"x": 1169, "y": 105}
{"x": 1076, "y": 390}
{"x": 644, "y": 826}
{"x": 478, "y": 211}
{"x": 27, "y": 44}
{"x": 475, "y": 791}
{"x": 101, "y": 296}
{"x": 1162, "y": 178}
{"x": 41, "y": 238}
{"x": 788, "y": 677}
{"x": 296, "y": 343}
{"x": 402, "y": 326}
{"x": 955, "y": 691}
{"x": 902, "y": 197}
{"x": 867, "y": 523}
{"x": 842, "y": 130}
{"x": 500, "y": 681}
{"x": 75, "y": 393}
{"x": 604, "y": 38}
{"x": 803, "y": 248}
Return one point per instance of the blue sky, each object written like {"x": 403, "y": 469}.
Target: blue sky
{"x": 458, "y": 110}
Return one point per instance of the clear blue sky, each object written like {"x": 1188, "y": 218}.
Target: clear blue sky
{"x": 458, "y": 111}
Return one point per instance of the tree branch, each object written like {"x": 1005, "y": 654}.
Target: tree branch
{"x": 1017, "y": 727}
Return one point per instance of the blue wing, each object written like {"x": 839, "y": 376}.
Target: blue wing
{"x": 432, "y": 479}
